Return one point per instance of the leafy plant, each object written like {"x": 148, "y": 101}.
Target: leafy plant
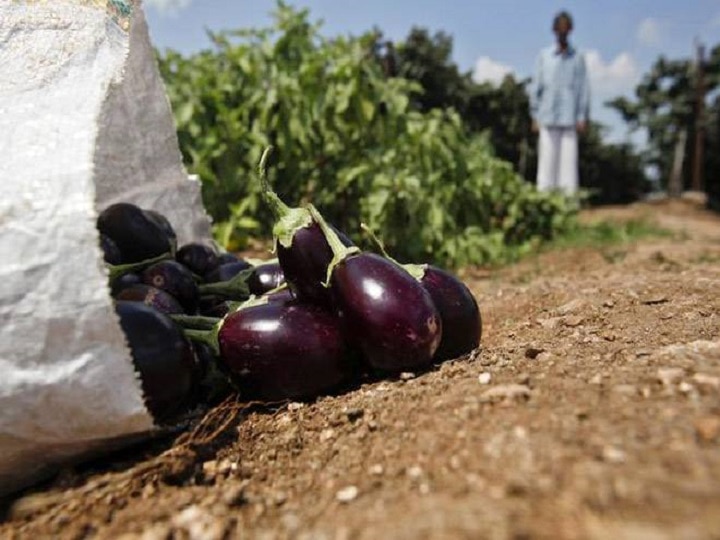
{"x": 348, "y": 139}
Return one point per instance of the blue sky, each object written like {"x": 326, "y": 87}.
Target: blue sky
{"x": 621, "y": 38}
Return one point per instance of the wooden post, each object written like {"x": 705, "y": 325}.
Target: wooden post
{"x": 698, "y": 157}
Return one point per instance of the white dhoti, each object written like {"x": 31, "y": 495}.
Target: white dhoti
{"x": 558, "y": 160}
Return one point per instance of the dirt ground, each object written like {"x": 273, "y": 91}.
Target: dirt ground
{"x": 592, "y": 410}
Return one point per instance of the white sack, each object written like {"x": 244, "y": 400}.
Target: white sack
{"x": 84, "y": 122}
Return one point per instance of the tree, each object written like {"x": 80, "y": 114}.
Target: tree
{"x": 665, "y": 106}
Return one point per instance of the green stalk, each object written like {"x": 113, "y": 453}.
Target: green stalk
{"x": 208, "y": 337}
{"x": 235, "y": 287}
{"x": 197, "y": 322}
{"x": 415, "y": 270}
{"x": 119, "y": 270}
{"x": 340, "y": 250}
{"x": 287, "y": 219}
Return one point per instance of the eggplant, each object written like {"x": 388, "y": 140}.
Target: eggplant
{"x": 136, "y": 233}
{"x": 111, "y": 253}
{"x": 302, "y": 249}
{"x": 227, "y": 271}
{"x": 281, "y": 294}
{"x": 304, "y": 262}
{"x": 165, "y": 225}
{"x": 458, "y": 309}
{"x": 162, "y": 356}
{"x": 265, "y": 278}
{"x": 175, "y": 279}
{"x": 224, "y": 258}
{"x": 281, "y": 350}
{"x": 123, "y": 282}
{"x": 151, "y": 297}
{"x": 391, "y": 316}
{"x": 199, "y": 258}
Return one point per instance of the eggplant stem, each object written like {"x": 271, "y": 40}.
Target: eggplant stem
{"x": 340, "y": 250}
{"x": 208, "y": 337}
{"x": 378, "y": 243}
{"x": 234, "y": 287}
{"x": 195, "y": 322}
{"x": 118, "y": 270}
{"x": 277, "y": 206}
{"x": 415, "y": 270}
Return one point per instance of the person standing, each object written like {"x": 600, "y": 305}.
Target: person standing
{"x": 560, "y": 105}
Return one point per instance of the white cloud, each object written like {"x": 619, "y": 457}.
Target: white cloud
{"x": 614, "y": 78}
{"x": 167, "y": 6}
{"x": 649, "y": 32}
{"x": 488, "y": 70}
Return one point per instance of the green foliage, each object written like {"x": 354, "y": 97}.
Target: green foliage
{"x": 347, "y": 138}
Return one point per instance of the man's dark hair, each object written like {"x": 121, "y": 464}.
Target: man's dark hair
{"x": 560, "y": 16}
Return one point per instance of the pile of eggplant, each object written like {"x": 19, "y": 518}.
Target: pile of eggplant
{"x": 324, "y": 313}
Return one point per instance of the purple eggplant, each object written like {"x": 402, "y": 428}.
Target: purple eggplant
{"x": 281, "y": 294}
{"x": 124, "y": 281}
{"x": 265, "y": 278}
{"x": 111, "y": 253}
{"x": 226, "y": 271}
{"x": 459, "y": 312}
{"x": 199, "y": 258}
{"x": 391, "y": 316}
{"x": 305, "y": 260}
{"x": 152, "y": 297}
{"x": 302, "y": 249}
{"x": 281, "y": 350}
{"x": 175, "y": 279}
{"x": 161, "y": 355}
{"x": 137, "y": 234}
{"x": 165, "y": 225}
{"x": 224, "y": 258}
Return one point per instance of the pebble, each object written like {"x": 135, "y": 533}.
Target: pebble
{"x": 596, "y": 379}
{"x": 707, "y": 428}
{"x": 685, "y": 387}
{"x": 550, "y": 323}
{"x": 669, "y": 376}
{"x": 347, "y": 494}
{"x": 533, "y": 352}
{"x": 376, "y": 470}
{"x": 571, "y": 307}
{"x": 484, "y": 378}
{"x": 327, "y": 434}
{"x": 414, "y": 472}
{"x": 506, "y": 392}
{"x": 407, "y": 375}
{"x": 573, "y": 321}
{"x": 354, "y": 413}
{"x": 295, "y": 406}
{"x": 613, "y": 454}
{"x": 654, "y": 299}
{"x": 707, "y": 381}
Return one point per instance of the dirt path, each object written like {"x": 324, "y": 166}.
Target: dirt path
{"x": 592, "y": 411}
